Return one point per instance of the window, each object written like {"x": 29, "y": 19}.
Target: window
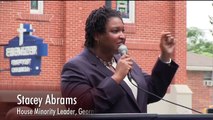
{"x": 36, "y": 7}
{"x": 208, "y": 78}
{"x": 127, "y": 9}
{"x": 208, "y": 75}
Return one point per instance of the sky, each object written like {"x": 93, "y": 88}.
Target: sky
{"x": 197, "y": 16}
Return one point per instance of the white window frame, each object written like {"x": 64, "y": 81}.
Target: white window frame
{"x": 40, "y": 8}
{"x": 131, "y": 18}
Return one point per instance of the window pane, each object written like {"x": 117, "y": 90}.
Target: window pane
{"x": 34, "y": 4}
{"x": 208, "y": 76}
{"x": 123, "y": 7}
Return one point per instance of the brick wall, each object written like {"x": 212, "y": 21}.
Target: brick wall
{"x": 62, "y": 27}
{"x": 76, "y": 14}
{"x": 49, "y": 26}
{"x": 202, "y": 95}
{"x": 180, "y": 37}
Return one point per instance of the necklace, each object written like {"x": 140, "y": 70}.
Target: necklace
{"x": 107, "y": 63}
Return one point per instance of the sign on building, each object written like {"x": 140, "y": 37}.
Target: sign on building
{"x": 25, "y": 52}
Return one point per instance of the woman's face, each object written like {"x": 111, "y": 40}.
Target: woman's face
{"x": 113, "y": 37}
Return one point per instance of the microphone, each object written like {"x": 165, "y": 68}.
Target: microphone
{"x": 122, "y": 51}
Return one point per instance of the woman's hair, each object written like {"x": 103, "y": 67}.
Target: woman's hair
{"x": 96, "y": 23}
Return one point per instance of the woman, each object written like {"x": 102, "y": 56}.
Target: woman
{"x": 97, "y": 77}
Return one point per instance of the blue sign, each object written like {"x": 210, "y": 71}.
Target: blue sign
{"x": 25, "y": 52}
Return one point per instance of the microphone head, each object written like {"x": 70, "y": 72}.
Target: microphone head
{"x": 122, "y": 49}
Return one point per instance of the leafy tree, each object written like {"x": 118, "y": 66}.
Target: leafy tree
{"x": 197, "y": 43}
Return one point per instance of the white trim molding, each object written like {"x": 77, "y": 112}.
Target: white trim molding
{"x": 199, "y": 68}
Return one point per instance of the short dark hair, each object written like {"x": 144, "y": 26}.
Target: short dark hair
{"x": 96, "y": 23}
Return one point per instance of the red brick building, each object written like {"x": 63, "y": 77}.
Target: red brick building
{"x": 200, "y": 80}
{"x": 61, "y": 25}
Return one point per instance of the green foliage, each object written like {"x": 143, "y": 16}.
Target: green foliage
{"x": 197, "y": 43}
